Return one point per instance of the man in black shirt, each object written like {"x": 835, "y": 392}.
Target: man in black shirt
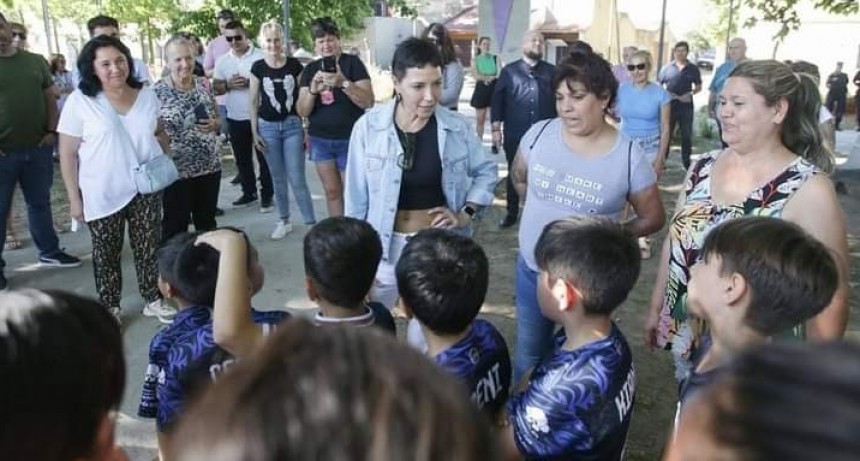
{"x": 682, "y": 80}
{"x": 523, "y": 96}
{"x": 837, "y": 93}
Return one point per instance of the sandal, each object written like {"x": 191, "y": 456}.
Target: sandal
{"x": 12, "y": 243}
{"x": 645, "y": 247}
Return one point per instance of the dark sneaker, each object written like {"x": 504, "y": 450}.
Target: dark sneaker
{"x": 3, "y": 283}
{"x": 244, "y": 200}
{"x": 266, "y": 206}
{"x": 236, "y": 180}
{"x": 509, "y": 221}
{"x": 61, "y": 259}
{"x": 219, "y": 212}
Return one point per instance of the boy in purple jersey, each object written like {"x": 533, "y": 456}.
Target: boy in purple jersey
{"x": 183, "y": 357}
{"x": 442, "y": 278}
{"x": 758, "y": 277}
{"x": 341, "y": 256}
{"x": 578, "y": 401}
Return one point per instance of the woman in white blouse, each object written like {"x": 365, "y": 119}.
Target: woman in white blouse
{"x": 109, "y": 125}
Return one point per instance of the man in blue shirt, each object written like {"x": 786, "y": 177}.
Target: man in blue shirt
{"x": 736, "y": 53}
{"x": 523, "y": 95}
{"x": 682, "y": 80}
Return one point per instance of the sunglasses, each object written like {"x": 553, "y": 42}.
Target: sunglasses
{"x": 234, "y": 38}
{"x": 632, "y": 67}
{"x": 20, "y": 35}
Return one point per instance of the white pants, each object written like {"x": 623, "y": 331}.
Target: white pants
{"x": 384, "y": 290}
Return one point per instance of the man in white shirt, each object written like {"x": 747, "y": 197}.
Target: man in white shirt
{"x": 231, "y": 77}
{"x": 106, "y": 25}
{"x": 219, "y": 47}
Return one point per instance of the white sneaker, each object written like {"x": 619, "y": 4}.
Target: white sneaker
{"x": 281, "y": 230}
{"x": 115, "y": 312}
{"x": 161, "y": 310}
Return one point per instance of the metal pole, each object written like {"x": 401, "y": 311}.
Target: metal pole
{"x": 46, "y": 18}
{"x": 662, "y": 37}
{"x": 287, "y": 27}
{"x": 729, "y": 30}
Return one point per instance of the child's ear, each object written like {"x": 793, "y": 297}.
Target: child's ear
{"x": 311, "y": 290}
{"x": 404, "y": 308}
{"x": 565, "y": 294}
{"x": 104, "y": 445}
{"x": 166, "y": 288}
{"x": 736, "y": 289}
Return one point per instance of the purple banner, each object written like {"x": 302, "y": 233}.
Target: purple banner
{"x": 501, "y": 17}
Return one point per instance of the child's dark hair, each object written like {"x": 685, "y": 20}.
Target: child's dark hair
{"x": 598, "y": 256}
{"x": 63, "y": 370}
{"x": 442, "y": 277}
{"x": 589, "y": 69}
{"x": 792, "y": 276}
{"x": 341, "y": 258}
{"x": 334, "y": 394}
{"x": 789, "y": 401}
{"x": 191, "y": 269}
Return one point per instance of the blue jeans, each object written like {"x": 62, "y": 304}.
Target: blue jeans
{"x": 33, "y": 168}
{"x": 327, "y": 150}
{"x": 534, "y": 331}
{"x": 286, "y": 158}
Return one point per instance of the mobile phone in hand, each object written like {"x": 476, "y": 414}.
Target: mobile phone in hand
{"x": 200, "y": 113}
{"x": 329, "y": 64}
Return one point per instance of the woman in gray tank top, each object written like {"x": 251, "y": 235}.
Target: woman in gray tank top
{"x": 576, "y": 164}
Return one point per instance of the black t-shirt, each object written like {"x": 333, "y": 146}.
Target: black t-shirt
{"x": 279, "y": 89}
{"x": 335, "y": 120}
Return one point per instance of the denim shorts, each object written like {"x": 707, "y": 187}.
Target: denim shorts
{"x": 650, "y": 144}
{"x": 327, "y": 150}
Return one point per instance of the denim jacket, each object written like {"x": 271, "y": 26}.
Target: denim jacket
{"x": 373, "y": 176}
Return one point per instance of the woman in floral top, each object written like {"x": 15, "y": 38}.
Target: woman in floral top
{"x": 775, "y": 165}
{"x": 190, "y": 118}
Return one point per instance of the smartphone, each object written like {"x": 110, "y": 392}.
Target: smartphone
{"x": 200, "y": 113}
{"x": 329, "y": 64}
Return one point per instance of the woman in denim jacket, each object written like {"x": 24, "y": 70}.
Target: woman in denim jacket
{"x": 413, "y": 164}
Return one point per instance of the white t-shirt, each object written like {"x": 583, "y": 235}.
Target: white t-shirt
{"x": 226, "y": 67}
{"x": 105, "y": 158}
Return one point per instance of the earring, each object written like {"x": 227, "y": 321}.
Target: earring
{"x": 397, "y": 97}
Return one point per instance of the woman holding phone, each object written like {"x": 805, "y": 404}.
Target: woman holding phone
{"x": 190, "y": 118}
{"x": 335, "y": 91}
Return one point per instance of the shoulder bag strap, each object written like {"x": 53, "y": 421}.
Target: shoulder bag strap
{"x": 111, "y": 113}
{"x": 629, "y": 167}
{"x": 539, "y": 133}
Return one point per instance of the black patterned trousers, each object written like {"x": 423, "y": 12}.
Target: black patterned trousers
{"x": 143, "y": 215}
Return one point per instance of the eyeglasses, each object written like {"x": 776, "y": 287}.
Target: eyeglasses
{"x": 234, "y": 38}
{"x": 407, "y": 159}
{"x": 640, "y": 66}
{"x": 20, "y": 35}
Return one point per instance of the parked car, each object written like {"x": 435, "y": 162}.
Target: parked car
{"x": 705, "y": 59}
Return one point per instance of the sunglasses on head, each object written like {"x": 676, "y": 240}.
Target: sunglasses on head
{"x": 233, "y": 38}
{"x": 632, "y": 67}
{"x": 20, "y": 35}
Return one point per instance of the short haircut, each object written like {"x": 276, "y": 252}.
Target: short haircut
{"x": 789, "y": 401}
{"x": 644, "y": 55}
{"x": 414, "y": 53}
{"x": 90, "y": 84}
{"x": 235, "y": 24}
{"x": 334, "y": 394}
{"x": 192, "y": 269}
{"x": 55, "y": 62}
{"x": 63, "y": 369}
{"x": 320, "y": 27}
{"x": 341, "y": 258}
{"x": 225, "y": 14}
{"x": 589, "y": 69}
{"x": 791, "y": 275}
{"x": 101, "y": 21}
{"x": 682, "y": 44}
{"x": 442, "y": 277}
{"x": 598, "y": 256}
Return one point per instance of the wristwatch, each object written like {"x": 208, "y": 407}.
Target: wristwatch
{"x": 345, "y": 84}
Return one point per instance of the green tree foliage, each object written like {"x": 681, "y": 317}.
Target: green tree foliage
{"x": 780, "y": 12}
{"x": 349, "y": 15}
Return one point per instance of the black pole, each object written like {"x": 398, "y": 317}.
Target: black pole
{"x": 662, "y": 37}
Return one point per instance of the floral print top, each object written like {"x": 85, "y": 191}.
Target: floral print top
{"x": 193, "y": 151}
{"x": 691, "y": 224}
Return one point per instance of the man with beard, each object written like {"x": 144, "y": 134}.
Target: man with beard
{"x": 523, "y": 96}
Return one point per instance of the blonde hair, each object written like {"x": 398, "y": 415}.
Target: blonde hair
{"x": 271, "y": 26}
